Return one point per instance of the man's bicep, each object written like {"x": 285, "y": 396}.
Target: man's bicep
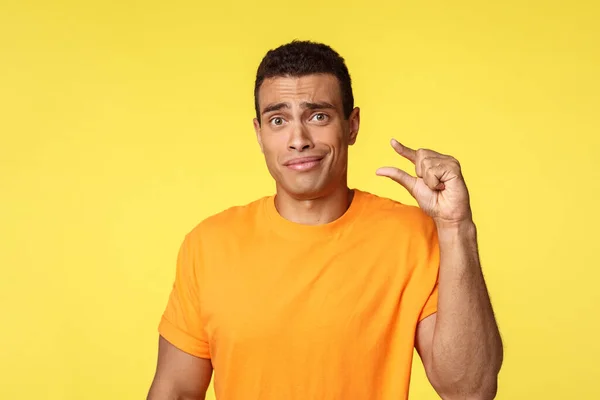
{"x": 179, "y": 375}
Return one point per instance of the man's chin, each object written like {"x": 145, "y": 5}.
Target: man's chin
{"x": 306, "y": 192}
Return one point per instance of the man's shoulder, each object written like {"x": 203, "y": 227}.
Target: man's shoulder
{"x": 379, "y": 204}
{"x": 231, "y": 219}
{"x": 387, "y": 210}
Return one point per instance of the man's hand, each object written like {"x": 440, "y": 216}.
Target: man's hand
{"x": 439, "y": 187}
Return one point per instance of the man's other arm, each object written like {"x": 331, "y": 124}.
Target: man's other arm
{"x": 460, "y": 346}
{"x": 179, "y": 376}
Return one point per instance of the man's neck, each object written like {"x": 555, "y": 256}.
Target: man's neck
{"x": 316, "y": 211}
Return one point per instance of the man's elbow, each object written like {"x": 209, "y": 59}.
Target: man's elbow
{"x": 486, "y": 391}
{"x": 481, "y": 387}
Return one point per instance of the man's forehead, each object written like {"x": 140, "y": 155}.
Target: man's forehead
{"x": 314, "y": 88}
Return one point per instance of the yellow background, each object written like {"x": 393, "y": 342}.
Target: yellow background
{"x": 123, "y": 124}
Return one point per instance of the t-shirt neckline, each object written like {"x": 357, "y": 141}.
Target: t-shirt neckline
{"x": 297, "y": 230}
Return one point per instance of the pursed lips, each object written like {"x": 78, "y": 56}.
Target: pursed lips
{"x": 303, "y": 163}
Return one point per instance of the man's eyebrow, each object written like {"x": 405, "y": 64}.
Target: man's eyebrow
{"x": 306, "y": 104}
{"x": 275, "y": 107}
{"x": 317, "y": 105}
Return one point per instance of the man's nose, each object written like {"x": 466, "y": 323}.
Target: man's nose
{"x": 300, "y": 139}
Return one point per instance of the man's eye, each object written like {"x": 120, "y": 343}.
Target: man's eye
{"x": 277, "y": 121}
{"x": 320, "y": 117}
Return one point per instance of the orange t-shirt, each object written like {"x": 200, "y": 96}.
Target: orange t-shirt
{"x": 291, "y": 311}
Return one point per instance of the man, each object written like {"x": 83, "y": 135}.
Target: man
{"x": 321, "y": 291}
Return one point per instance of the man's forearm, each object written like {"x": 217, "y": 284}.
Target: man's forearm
{"x": 467, "y": 348}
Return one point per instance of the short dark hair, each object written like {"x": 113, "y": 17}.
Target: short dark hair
{"x": 301, "y": 58}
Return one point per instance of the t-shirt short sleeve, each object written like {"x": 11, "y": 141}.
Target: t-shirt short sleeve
{"x": 181, "y": 322}
{"x": 431, "y": 305}
{"x": 431, "y": 265}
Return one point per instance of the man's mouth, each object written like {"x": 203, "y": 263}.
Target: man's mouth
{"x": 304, "y": 163}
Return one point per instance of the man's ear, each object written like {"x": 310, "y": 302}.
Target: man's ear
{"x": 257, "y": 130}
{"x": 354, "y": 125}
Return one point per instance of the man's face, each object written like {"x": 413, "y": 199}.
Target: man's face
{"x": 303, "y": 134}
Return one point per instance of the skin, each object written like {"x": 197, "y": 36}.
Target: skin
{"x": 179, "y": 376}
{"x": 304, "y": 117}
{"x": 301, "y": 117}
